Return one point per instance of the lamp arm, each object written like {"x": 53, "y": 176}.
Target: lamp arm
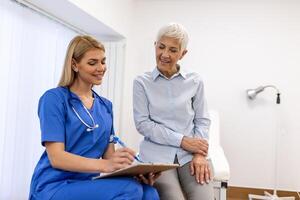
{"x": 272, "y": 86}
{"x": 278, "y": 93}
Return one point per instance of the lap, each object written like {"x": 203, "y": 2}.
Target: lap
{"x": 168, "y": 186}
{"x": 110, "y": 188}
{"x": 178, "y": 184}
{"x": 194, "y": 190}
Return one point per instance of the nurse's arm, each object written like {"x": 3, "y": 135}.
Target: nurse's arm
{"x": 61, "y": 159}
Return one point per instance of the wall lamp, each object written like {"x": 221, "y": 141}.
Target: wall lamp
{"x": 251, "y": 93}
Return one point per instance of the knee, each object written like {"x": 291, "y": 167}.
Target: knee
{"x": 134, "y": 190}
{"x": 150, "y": 192}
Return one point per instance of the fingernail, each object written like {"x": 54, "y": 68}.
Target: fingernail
{"x": 202, "y": 182}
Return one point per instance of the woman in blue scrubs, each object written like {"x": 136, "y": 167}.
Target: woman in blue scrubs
{"x": 76, "y": 126}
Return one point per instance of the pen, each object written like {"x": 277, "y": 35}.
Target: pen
{"x": 116, "y": 139}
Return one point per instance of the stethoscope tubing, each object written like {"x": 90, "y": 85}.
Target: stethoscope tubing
{"x": 89, "y": 127}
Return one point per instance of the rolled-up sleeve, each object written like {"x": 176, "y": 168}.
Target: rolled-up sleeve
{"x": 52, "y": 118}
{"x": 150, "y": 129}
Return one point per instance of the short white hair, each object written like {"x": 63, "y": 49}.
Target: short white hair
{"x": 174, "y": 30}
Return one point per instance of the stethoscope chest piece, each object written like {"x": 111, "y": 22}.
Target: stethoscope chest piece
{"x": 92, "y": 128}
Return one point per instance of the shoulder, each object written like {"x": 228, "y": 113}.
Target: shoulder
{"x": 58, "y": 93}
{"x": 53, "y": 101}
{"x": 145, "y": 77}
{"x": 194, "y": 76}
{"x": 54, "y": 96}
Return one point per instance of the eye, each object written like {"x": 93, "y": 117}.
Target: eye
{"x": 161, "y": 46}
{"x": 174, "y": 50}
{"x": 92, "y": 63}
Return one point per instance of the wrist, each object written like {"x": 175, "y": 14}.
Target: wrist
{"x": 198, "y": 155}
{"x": 183, "y": 142}
{"x": 102, "y": 165}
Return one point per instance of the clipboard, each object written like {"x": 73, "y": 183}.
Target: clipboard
{"x": 139, "y": 168}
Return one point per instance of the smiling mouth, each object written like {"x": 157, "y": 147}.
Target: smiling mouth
{"x": 99, "y": 77}
{"x": 164, "y": 61}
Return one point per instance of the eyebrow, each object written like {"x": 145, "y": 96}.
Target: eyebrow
{"x": 93, "y": 59}
{"x": 169, "y": 47}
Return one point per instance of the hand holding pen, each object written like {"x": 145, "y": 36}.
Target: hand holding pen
{"x": 119, "y": 141}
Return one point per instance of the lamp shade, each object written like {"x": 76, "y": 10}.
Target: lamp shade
{"x": 251, "y": 93}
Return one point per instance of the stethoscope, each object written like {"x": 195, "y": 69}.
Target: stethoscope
{"x": 94, "y": 125}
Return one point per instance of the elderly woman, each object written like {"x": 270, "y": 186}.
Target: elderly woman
{"x": 170, "y": 111}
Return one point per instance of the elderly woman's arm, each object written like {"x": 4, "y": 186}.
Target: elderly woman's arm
{"x": 159, "y": 133}
{"x": 147, "y": 127}
{"x": 201, "y": 120}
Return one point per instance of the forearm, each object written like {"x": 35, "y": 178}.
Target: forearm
{"x": 72, "y": 162}
{"x": 158, "y": 133}
{"x": 201, "y": 128}
{"x": 201, "y": 120}
{"x": 61, "y": 159}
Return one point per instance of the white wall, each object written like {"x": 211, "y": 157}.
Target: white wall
{"x": 119, "y": 15}
{"x": 235, "y": 45}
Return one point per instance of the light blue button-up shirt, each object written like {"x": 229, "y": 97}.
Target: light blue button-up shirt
{"x": 165, "y": 110}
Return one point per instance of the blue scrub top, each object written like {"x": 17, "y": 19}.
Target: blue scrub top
{"x": 59, "y": 123}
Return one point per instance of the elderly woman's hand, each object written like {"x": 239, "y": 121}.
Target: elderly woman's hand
{"x": 149, "y": 178}
{"x": 195, "y": 145}
{"x": 199, "y": 168}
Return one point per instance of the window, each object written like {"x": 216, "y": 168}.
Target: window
{"x": 32, "y": 53}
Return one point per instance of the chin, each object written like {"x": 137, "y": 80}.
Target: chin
{"x": 97, "y": 82}
{"x": 164, "y": 66}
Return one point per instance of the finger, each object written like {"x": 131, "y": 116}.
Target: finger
{"x": 126, "y": 155}
{"x": 197, "y": 174}
{"x": 207, "y": 174}
{"x": 202, "y": 153}
{"x": 130, "y": 151}
{"x": 204, "y": 148}
{"x": 142, "y": 177}
{"x": 202, "y": 142}
{"x": 122, "y": 160}
{"x": 205, "y": 142}
{"x": 120, "y": 166}
{"x": 151, "y": 179}
{"x": 202, "y": 174}
{"x": 192, "y": 169}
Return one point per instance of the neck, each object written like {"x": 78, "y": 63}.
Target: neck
{"x": 81, "y": 89}
{"x": 169, "y": 72}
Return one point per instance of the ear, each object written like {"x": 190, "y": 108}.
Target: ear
{"x": 74, "y": 67}
{"x": 183, "y": 53}
{"x": 155, "y": 43}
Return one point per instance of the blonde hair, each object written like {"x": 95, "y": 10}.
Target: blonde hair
{"x": 78, "y": 46}
{"x": 174, "y": 30}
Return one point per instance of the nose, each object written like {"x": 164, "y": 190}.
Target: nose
{"x": 165, "y": 53}
{"x": 101, "y": 67}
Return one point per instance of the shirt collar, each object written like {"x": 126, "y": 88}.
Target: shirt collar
{"x": 156, "y": 73}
